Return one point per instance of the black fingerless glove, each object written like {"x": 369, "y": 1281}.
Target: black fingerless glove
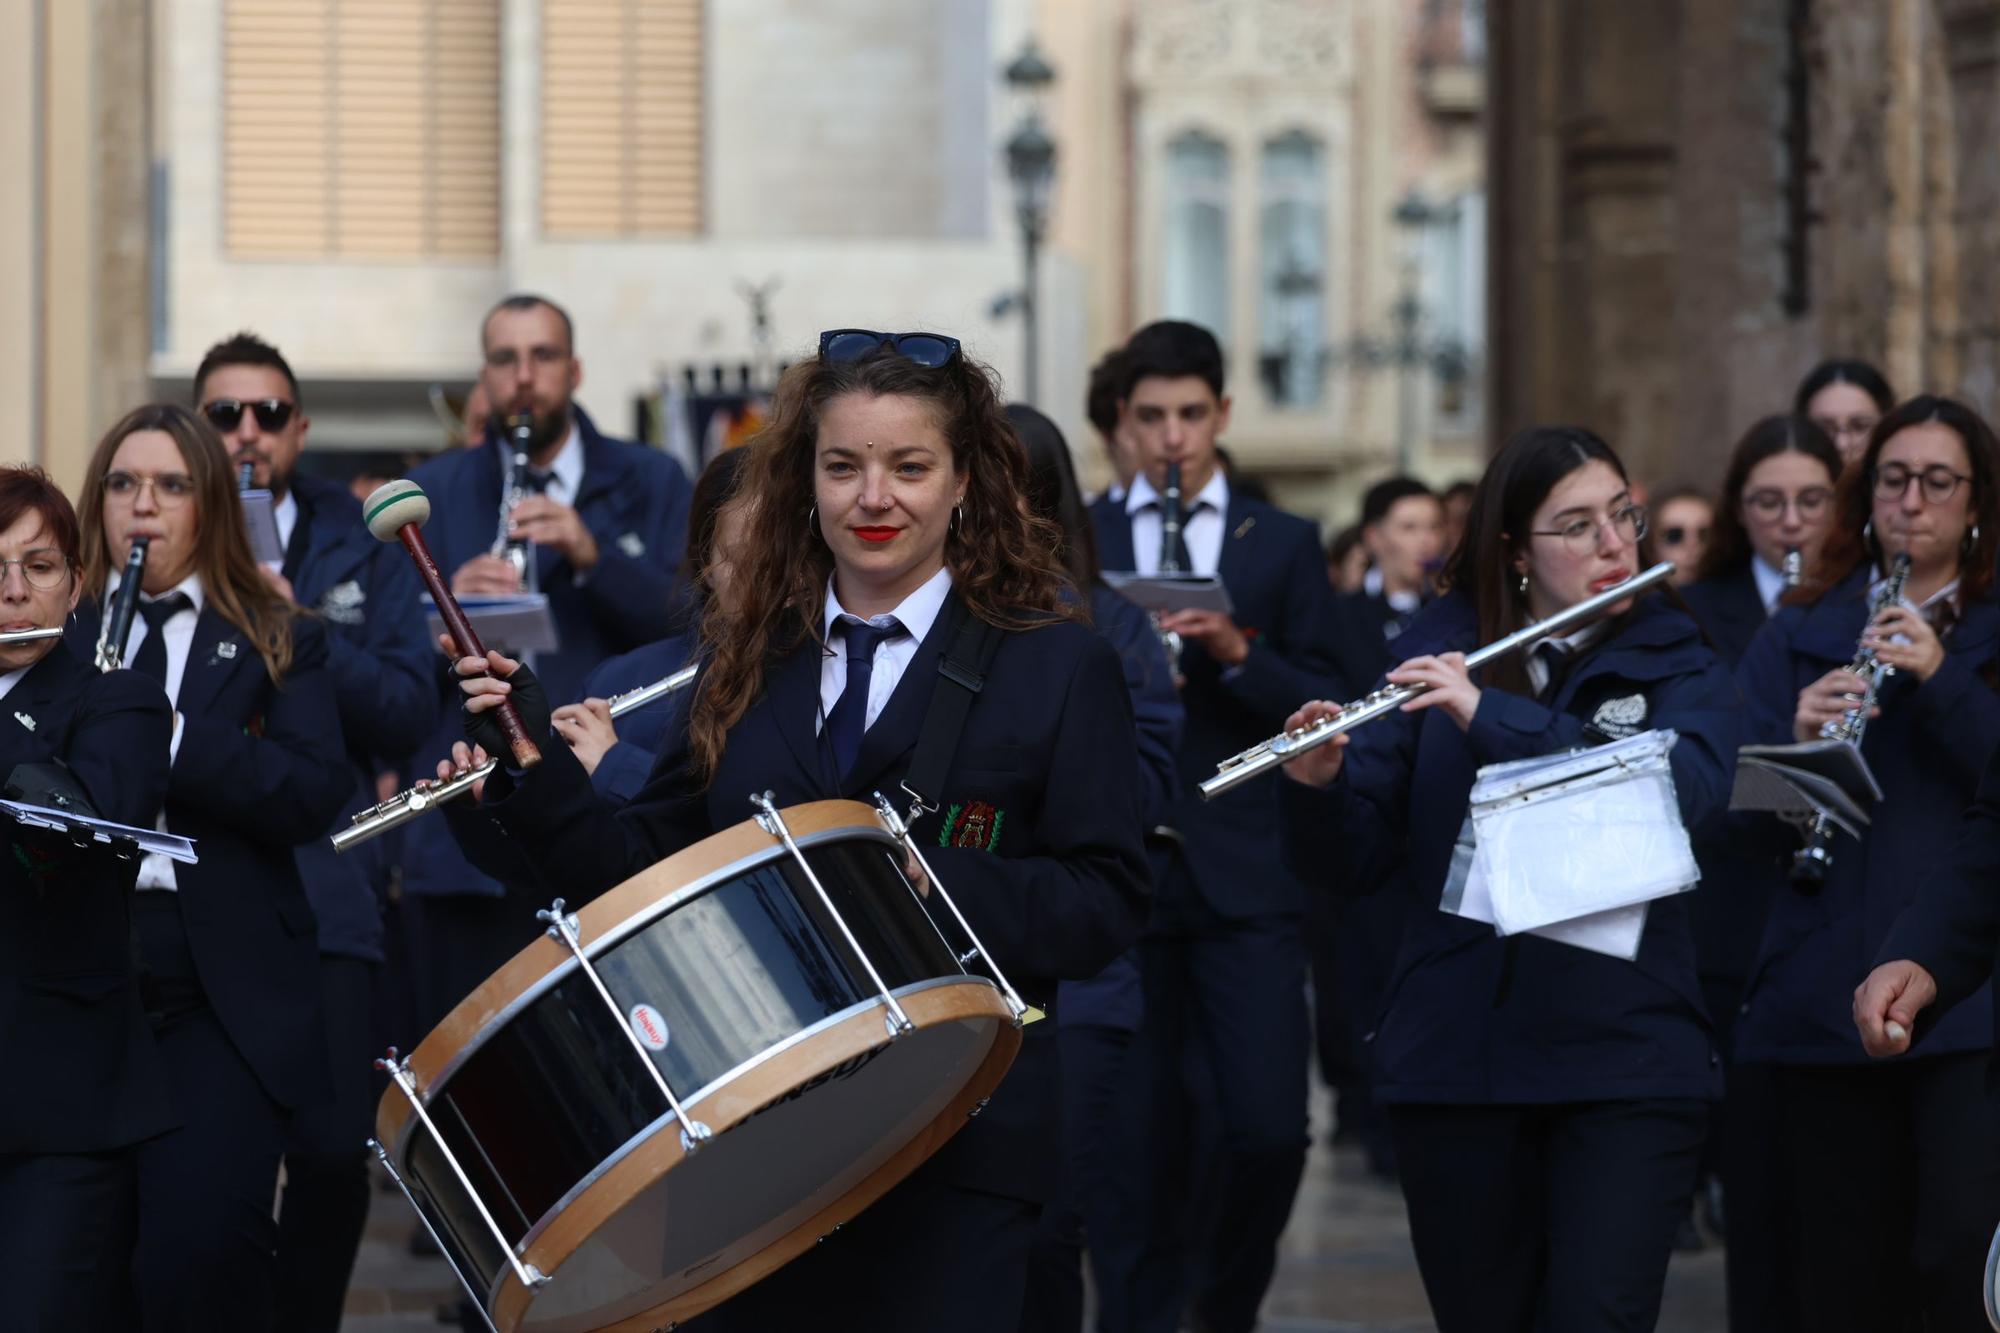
{"x": 530, "y": 700}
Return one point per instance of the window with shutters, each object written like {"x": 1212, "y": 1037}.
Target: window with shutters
{"x": 621, "y": 145}
{"x": 361, "y": 129}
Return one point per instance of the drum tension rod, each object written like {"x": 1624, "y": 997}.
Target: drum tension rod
{"x": 398, "y": 1070}
{"x": 773, "y": 823}
{"x": 436, "y": 1239}
{"x": 900, "y": 829}
{"x": 562, "y": 927}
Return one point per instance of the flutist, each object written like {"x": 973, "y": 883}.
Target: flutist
{"x": 1902, "y": 1226}
{"x": 1547, "y": 1102}
{"x": 85, "y": 1083}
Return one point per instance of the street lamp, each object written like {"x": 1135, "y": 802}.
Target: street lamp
{"x": 1031, "y": 167}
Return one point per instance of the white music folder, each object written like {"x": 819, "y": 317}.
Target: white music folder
{"x": 171, "y": 845}
{"x": 1171, "y": 592}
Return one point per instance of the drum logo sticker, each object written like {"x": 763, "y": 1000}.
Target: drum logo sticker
{"x": 649, "y": 1027}
{"x": 972, "y": 824}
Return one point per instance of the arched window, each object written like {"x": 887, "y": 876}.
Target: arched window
{"x": 1196, "y": 268}
{"x": 1291, "y": 270}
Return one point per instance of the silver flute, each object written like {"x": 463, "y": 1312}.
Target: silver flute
{"x": 1260, "y": 759}
{"x": 30, "y": 635}
{"x": 407, "y": 805}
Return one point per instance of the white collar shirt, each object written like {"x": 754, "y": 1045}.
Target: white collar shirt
{"x": 565, "y": 472}
{"x": 1201, "y": 524}
{"x": 1574, "y": 646}
{"x": 156, "y": 871}
{"x": 12, "y": 678}
{"x": 1403, "y": 603}
{"x": 1770, "y": 583}
{"x": 916, "y": 614}
{"x": 285, "y": 513}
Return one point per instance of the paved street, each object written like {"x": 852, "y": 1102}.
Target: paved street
{"x": 1346, "y": 1267}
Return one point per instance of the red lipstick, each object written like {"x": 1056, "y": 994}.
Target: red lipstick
{"x": 875, "y": 534}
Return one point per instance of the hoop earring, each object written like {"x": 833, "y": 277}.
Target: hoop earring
{"x": 1971, "y": 540}
{"x": 812, "y": 521}
{"x": 958, "y": 518}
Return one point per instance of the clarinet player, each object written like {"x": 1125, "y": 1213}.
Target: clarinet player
{"x": 1900, "y": 1224}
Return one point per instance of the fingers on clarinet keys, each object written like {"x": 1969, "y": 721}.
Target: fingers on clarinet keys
{"x": 1320, "y": 765}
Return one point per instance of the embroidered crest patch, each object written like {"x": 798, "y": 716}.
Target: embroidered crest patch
{"x": 342, "y": 603}
{"x": 971, "y": 824}
{"x": 630, "y": 544}
{"x": 1620, "y": 718}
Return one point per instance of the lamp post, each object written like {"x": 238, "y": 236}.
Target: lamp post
{"x": 1031, "y": 168}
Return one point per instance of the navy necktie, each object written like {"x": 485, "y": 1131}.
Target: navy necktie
{"x": 1556, "y": 657}
{"x": 152, "y": 658}
{"x": 1180, "y": 550}
{"x": 849, "y": 717}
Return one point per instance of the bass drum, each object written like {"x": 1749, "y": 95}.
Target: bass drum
{"x": 1993, "y": 1282}
{"x": 746, "y": 995}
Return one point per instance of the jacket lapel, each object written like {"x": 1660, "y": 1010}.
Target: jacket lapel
{"x": 1238, "y": 543}
{"x": 895, "y": 732}
{"x": 207, "y": 664}
{"x": 47, "y": 681}
{"x": 791, "y": 688}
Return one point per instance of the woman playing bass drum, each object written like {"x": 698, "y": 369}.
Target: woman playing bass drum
{"x": 1547, "y": 1102}
{"x": 1891, "y": 1167}
{"x": 883, "y": 507}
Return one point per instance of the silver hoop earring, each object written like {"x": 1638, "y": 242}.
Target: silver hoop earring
{"x": 958, "y": 518}
{"x": 812, "y": 521}
{"x": 1972, "y": 538}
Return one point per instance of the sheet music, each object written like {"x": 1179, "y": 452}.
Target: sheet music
{"x": 1171, "y": 592}
{"x": 170, "y": 845}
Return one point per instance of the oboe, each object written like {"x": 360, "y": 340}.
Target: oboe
{"x": 1259, "y": 759}
{"x": 514, "y": 452}
{"x": 407, "y": 805}
{"x": 1811, "y": 862}
{"x": 117, "y": 626}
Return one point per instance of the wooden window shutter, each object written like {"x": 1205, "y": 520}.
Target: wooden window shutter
{"x": 621, "y": 147}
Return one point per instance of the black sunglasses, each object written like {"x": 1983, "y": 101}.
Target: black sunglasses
{"x": 1677, "y": 534}
{"x": 225, "y": 413}
{"x": 929, "y": 350}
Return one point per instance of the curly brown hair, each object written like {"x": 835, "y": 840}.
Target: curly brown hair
{"x": 1005, "y": 563}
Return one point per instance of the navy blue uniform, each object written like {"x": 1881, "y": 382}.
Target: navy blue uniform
{"x": 87, "y": 1079}
{"x": 642, "y": 733}
{"x": 1224, "y": 959}
{"x": 230, "y": 968}
{"x": 382, "y": 666}
{"x": 634, "y": 500}
{"x": 1062, "y": 891}
{"x": 1923, "y": 1199}
{"x": 1547, "y": 1101}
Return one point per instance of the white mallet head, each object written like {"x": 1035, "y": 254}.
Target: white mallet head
{"x": 393, "y": 504}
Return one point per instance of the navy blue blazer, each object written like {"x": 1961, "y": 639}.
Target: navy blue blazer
{"x": 1365, "y": 628}
{"x": 382, "y": 664}
{"x": 1056, "y": 895}
{"x": 260, "y": 770}
{"x": 1928, "y": 750}
{"x": 86, "y": 1075}
{"x": 1467, "y": 1016}
{"x": 1729, "y": 610}
{"x": 642, "y": 733}
{"x": 1115, "y": 997}
{"x": 634, "y": 500}
{"x": 1276, "y": 575}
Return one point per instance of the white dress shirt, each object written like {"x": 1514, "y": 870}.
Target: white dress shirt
{"x": 916, "y": 614}
{"x": 156, "y": 871}
{"x": 1404, "y": 603}
{"x": 285, "y": 513}
{"x": 1770, "y": 583}
{"x": 12, "y": 678}
{"x": 1575, "y": 646}
{"x": 565, "y": 471}
{"x": 1201, "y": 524}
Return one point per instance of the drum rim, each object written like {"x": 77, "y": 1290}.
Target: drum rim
{"x": 508, "y": 1300}
{"x": 442, "y": 1052}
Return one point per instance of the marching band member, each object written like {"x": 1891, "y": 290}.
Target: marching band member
{"x": 1547, "y": 1102}
{"x": 1902, "y": 1225}
{"x": 1224, "y": 957}
{"x": 883, "y": 505}
{"x": 1845, "y": 398}
{"x": 380, "y": 662}
{"x": 1774, "y": 511}
{"x": 87, "y": 1082}
{"x": 1098, "y": 1019}
{"x": 226, "y": 946}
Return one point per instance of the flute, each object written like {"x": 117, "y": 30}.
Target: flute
{"x": 1259, "y": 759}
{"x": 30, "y": 635}
{"x": 407, "y": 805}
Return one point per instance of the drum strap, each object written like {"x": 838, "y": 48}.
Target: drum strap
{"x": 962, "y": 675}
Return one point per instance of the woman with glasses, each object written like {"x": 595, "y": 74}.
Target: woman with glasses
{"x": 228, "y": 966}
{"x": 1890, "y": 1166}
{"x": 1845, "y": 398}
{"x": 883, "y": 505}
{"x": 1547, "y": 1102}
{"x": 85, "y": 1083}
{"x": 1775, "y": 508}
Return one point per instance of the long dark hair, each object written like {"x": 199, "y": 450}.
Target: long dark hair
{"x": 1002, "y": 558}
{"x": 1728, "y": 544}
{"x": 1054, "y": 495}
{"x": 713, "y": 489}
{"x": 1850, "y": 543}
{"x": 1519, "y": 478}
{"x": 230, "y": 579}
{"x": 1844, "y": 370}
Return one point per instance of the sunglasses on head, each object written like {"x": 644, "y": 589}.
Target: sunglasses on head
{"x": 929, "y": 350}
{"x": 225, "y": 413}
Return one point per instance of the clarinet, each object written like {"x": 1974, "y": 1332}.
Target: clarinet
{"x": 1170, "y": 561}
{"x": 514, "y": 468}
{"x": 1794, "y": 568}
{"x": 246, "y": 476}
{"x": 1811, "y": 862}
{"x": 117, "y": 626}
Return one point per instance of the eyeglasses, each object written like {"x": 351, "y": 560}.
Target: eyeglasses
{"x": 929, "y": 350}
{"x": 1677, "y": 534}
{"x": 1940, "y": 483}
{"x": 1811, "y": 502}
{"x": 1847, "y": 429}
{"x": 1580, "y": 534}
{"x": 272, "y": 413}
{"x": 44, "y": 571}
{"x": 170, "y": 489}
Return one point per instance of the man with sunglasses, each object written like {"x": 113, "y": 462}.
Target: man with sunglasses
{"x": 380, "y": 662}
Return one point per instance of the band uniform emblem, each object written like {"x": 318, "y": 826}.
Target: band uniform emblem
{"x": 630, "y": 544}
{"x": 972, "y": 824}
{"x": 342, "y": 603}
{"x": 25, "y": 720}
{"x": 1621, "y": 717}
